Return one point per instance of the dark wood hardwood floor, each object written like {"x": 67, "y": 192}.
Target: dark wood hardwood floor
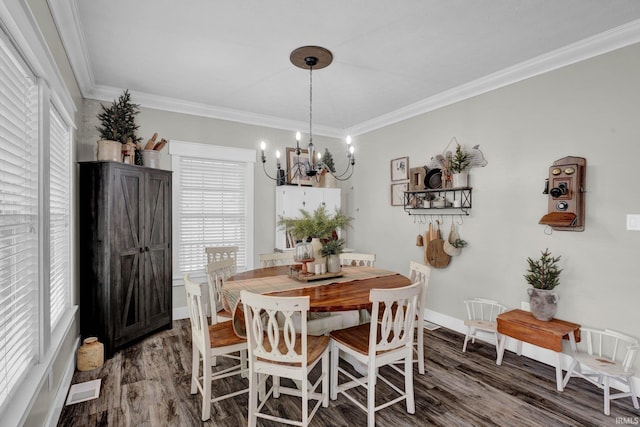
{"x": 148, "y": 384}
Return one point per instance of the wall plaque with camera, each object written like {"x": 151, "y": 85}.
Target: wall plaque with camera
{"x": 565, "y": 188}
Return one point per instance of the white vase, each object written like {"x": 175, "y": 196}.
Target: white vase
{"x": 460, "y": 179}
{"x": 316, "y": 244}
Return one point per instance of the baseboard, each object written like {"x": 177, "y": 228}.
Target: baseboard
{"x": 545, "y": 356}
{"x": 61, "y": 394}
{"x": 180, "y": 313}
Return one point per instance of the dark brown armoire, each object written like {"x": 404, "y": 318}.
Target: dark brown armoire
{"x": 125, "y": 252}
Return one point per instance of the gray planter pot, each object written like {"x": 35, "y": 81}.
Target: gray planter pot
{"x": 543, "y": 303}
{"x": 333, "y": 264}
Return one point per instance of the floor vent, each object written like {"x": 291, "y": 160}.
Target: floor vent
{"x": 84, "y": 391}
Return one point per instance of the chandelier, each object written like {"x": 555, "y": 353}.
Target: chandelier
{"x": 308, "y": 166}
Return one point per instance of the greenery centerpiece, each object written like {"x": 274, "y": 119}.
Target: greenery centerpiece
{"x": 117, "y": 124}
{"x": 332, "y": 247}
{"x": 318, "y": 227}
{"x": 318, "y": 224}
{"x": 543, "y": 275}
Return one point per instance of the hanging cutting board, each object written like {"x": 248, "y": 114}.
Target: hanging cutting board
{"x": 435, "y": 254}
{"x": 427, "y": 238}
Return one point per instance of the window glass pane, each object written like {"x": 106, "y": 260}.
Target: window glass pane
{"x": 18, "y": 220}
{"x": 59, "y": 195}
{"x": 212, "y": 210}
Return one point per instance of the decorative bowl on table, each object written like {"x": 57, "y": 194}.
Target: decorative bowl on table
{"x": 303, "y": 253}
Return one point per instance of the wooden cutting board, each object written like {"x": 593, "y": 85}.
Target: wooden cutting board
{"x": 435, "y": 254}
{"x": 427, "y": 239}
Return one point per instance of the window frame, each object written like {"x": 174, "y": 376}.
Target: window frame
{"x": 19, "y": 29}
{"x": 178, "y": 149}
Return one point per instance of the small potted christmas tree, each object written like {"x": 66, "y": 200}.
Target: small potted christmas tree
{"x": 329, "y": 169}
{"x": 118, "y": 131}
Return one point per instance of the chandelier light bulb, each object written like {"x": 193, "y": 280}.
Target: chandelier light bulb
{"x": 349, "y": 140}
{"x": 351, "y": 149}
{"x": 278, "y": 154}
{"x": 263, "y": 146}
{"x": 298, "y": 136}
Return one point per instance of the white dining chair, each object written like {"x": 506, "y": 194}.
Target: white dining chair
{"x": 354, "y": 259}
{"x": 219, "y": 253}
{"x": 277, "y": 350}
{"x": 275, "y": 259}
{"x": 378, "y": 344}
{"x": 420, "y": 273}
{"x": 207, "y": 342}
{"x": 217, "y": 273}
{"x": 609, "y": 356}
{"x": 481, "y": 321}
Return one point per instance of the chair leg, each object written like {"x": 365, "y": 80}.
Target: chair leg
{"x": 569, "y": 372}
{"x": 254, "y": 380}
{"x": 634, "y": 397}
{"x": 276, "y": 386}
{"x": 333, "y": 382}
{"x": 371, "y": 397}
{"x": 206, "y": 386}
{"x": 325, "y": 380}
{"x": 607, "y": 395}
{"x": 420, "y": 331}
{"x": 305, "y": 400}
{"x": 195, "y": 368}
{"x": 408, "y": 383}
{"x": 466, "y": 340}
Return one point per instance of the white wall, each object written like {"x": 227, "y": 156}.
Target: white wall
{"x": 590, "y": 109}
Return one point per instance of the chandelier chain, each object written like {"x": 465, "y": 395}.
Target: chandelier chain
{"x": 310, "y": 102}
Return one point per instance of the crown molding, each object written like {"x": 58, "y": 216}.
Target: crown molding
{"x": 65, "y": 14}
{"x": 66, "y": 18}
{"x": 147, "y": 100}
{"x": 616, "y": 38}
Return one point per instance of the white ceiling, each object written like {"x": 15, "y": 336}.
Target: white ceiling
{"x": 392, "y": 59}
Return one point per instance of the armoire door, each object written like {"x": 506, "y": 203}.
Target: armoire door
{"x": 157, "y": 254}
{"x": 127, "y": 254}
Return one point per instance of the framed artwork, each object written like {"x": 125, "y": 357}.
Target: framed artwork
{"x": 400, "y": 169}
{"x": 297, "y": 166}
{"x": 397, "y": 193}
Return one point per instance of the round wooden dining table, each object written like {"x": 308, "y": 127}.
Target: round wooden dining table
{"x": 342, "y": 296}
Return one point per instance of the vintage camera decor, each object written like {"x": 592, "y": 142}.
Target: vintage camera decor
{"x": 565, "y": 187}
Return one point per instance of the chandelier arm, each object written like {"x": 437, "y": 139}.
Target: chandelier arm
{"x": 351, "y": 165}
{"x": 266, "y": 173}
{"x": 344, "y": 178}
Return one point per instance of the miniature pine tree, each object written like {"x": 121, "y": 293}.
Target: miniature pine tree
{"x": 327, "y": 159}
{"x": 118, "y": 120}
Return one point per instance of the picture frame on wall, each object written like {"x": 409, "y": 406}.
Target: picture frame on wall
{"x": 297, "y": 167}
{"x": 397, "y": 193}
{"x": 400, "y": 169}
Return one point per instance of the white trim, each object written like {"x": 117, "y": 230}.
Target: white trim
{"x": 108, "y": 93}
{"x": 180, "y": 312}
{"x": 16, "y": 16}
{"x": 66, "y": 18}
{"x": 23, "y": 399}
{"x": 210, "y": 151}
{"x": 53, "y": 416}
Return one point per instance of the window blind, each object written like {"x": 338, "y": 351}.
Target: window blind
{"x": 18, "y": 219}
{"x": 59, "y": 208}
{"x": 212, "y": 210}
